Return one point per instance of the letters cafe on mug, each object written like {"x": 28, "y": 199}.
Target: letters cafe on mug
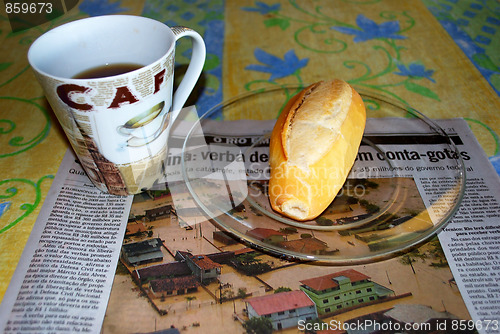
{"x": 68, "y": 93}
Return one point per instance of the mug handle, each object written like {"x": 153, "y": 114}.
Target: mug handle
{"x": 194, "y": 69}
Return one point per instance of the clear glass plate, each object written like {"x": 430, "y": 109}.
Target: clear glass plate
{"x": 380, "y": 211}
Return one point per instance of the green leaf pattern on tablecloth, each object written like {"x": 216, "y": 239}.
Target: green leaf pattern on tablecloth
{"x": 16, "y": 143}
{"x": 9, "y": 188}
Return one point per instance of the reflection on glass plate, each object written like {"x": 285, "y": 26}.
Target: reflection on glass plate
{"x": 390, "y": 202}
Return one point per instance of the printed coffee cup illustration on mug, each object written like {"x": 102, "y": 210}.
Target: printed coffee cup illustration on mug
{"x": 146, "y": 127}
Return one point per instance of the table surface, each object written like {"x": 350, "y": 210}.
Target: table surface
{"x": 439, "y": 56}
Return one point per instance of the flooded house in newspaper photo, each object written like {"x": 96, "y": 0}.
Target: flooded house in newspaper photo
{"x": 267, "y": 235}
{"x": 343, "y": 290}
{"x": 284, "y": 309}
{"x": 166, "y": 279}
{"x": 162, "y": 288}
{"x": 142, "y": 252}
{"x": 201, "y": 266}
{"x": 158, "y": 213}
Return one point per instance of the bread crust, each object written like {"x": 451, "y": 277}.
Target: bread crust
{"x": 313, "y": 146}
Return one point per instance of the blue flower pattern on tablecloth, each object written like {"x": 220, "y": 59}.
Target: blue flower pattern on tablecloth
{"x": 495, "y": 161}
{"x": 263, "y": 8}
{"x": 461, "y": 38}
{"x": 415, "y": 70}
{"x": 471, "y": 49}
{"x": 369, "y": 29}
{"x": 101, "y": 7}
{"x": 4, "y": 206}
{"x": 476, "y": 44}
{"x": 277, "y": 67}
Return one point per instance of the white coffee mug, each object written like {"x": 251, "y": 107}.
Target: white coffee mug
{"x": 118, "y": 125}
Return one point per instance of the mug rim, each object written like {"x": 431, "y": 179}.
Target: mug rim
{"x": 59, "y": 30}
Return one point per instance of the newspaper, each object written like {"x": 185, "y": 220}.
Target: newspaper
{"x": 471, "y": 241}
{"x": 63, "y": 280}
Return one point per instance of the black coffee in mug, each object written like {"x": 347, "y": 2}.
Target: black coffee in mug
{"x": 107, "y": 70}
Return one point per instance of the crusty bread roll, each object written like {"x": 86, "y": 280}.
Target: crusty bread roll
{"x": 313, "y": 147}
